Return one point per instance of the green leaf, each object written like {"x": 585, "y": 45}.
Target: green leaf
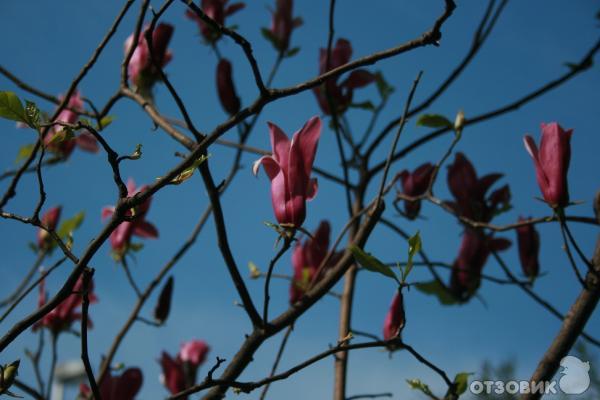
{"x": 461, "y": 380}
{"x": 135, "y": 247}
{"x": 64, "y": 134}
{"x": 189, "y": 171}
{"x": 12, "y": 108}
{"x": 70, "y": 225}
{"x": 417, "y": 384}
{"x": 254, "y": 270}
{"x": 437, "y": 289}
{"x": 106, "y": 121}
{"x": 365, "y": 105}
{"x": 414, "y": 246}
{"x": 267, "y": 34}
{"x": 434, "y": 121}
{"x": 33, "y": 114}
{"x": 292, "y": 52}
{"x": 372, "y": 263}
{"x": 384, "y": 88}
{"x": 24, "y": 152}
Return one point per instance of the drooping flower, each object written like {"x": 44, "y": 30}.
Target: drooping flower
{"x": 475, "y": 249}
{"x": 64, "y": 146}
{"x": 306, "y": 259}
{"x": 50, "y": 220}
{"x": 341, "y": 93}
{"x": 179, "y": 373}
{"x": 289, "y": 169}
{"x": 226, "y": 89}
{"x": 529, "y": 249}
{"x": 141, "y": 70}
{"x": 283, "y": 23}
{"x": 395, "y": 318}
{"x": 120, "y": 238}
{"x": 552, "y": 163}
{"x": 415, "y": 184}
{"x": 117, "y": 387}
{"x": 216, "y": 10}
{"x": 66, "y": 313}
{"x": 470, "y": 191}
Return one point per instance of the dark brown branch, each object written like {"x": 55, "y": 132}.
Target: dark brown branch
{"x": 87, "y": 275}
{"x": 571, "y": 328}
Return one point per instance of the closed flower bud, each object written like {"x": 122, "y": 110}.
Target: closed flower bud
{"x": 49, "y": 220}
{"x": 117, "y": 387}
{"x": 529, "y": 249}
{"x": 163, "y": 305}
{"x": 415, "y": 184}
{"x": 395, "y": 317}
{"x": 552, "y": 163}
{"x": 225, "y": 88}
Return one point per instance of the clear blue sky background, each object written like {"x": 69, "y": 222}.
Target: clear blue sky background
{"x": 46, "y": 43}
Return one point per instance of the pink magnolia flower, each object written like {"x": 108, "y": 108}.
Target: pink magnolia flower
{"x": 529, "y": 249}
{"x": 194, "y": 352}
{"x": 50, "y": 220}
{"x": 394, "y": 319}
{"x": 552, "y": 162}
{"x": 120, "y": 238}
{"x": 225, "y": 88}
{"x": 179, "y": 373}
{"x": 474, "y": 251}
{"x": 66, "y": 313}
{"x": 283, "y": 23}
{"x": 117, "y": 387}
{"x": 415, "y": 184}
{"x": 216, "y": 10}
{"x": 141, "y": 70}
{"x": 289, "y": 170}
{"x": 306, "y": 259}
{"x": 470, "y": 191}
{"x": 84, "y": 140}
{"x": 342, "y": 93}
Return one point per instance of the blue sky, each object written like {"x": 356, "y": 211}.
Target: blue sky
{"x": 47, "y": 43}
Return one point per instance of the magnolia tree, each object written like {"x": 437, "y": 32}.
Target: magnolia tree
{"x": 317, "y": 260}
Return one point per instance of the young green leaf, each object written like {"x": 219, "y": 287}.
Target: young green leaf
{"x": 70, "y": 225}
{"x": 24, "y": 152}
{"x": 33, "y": 114}
{"x": 189, "y": 171}
{"x": 417, "y": 384}
{"x": 12, "y": 108}
{"x": 292, "y": 52}
{"x": 434, "y": 121}
{"x": 106, "y": 121}
{"x": 365, "y": 105}
{"x": 461, "y": 382}
{"x": 414, "y": 246}
{"x": 372, "y": 263}
{"x": 435, "y": 288}
{"x": 384, "y": 88}
{"x": 267, "y": 34}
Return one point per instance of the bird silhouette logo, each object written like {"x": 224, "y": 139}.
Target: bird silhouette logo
{"x": 575, "y": 378}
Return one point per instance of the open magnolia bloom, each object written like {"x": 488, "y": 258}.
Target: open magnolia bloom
{"x": 552, "y": 162}
{"x": 179, "y": 373}
{"x": 289, "y": 170}
{"x": 116, "y": 387}
{"x": 120, "y": 238}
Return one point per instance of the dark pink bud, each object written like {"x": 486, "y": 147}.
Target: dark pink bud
{"x": 115, "y": 387}
{"x": 306, "y": 259}
{"x": 173, "y": 376}
{"x": 141, "y": 70}
{"x": 289, "y": 169}
{"x": 229, "y": 99}
{"x": 474, "y": 251}
{"x": 50, "y": 220}
{"x": 163, "y": 305}
{"x": 216, "y": 10}
{"x": 283, "y": 23}
{"x": 194, "y": 352}
{"x": 415, "y": 184}
{"x": 529, "y": 249}
{"x": 552, "y": 162}
{"x": 341, "y": 93}
{"x": 395, "y": 318}
{"x": 470, "y": 191}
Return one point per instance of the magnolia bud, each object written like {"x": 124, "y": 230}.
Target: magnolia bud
{"x": 163, "y": 305}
